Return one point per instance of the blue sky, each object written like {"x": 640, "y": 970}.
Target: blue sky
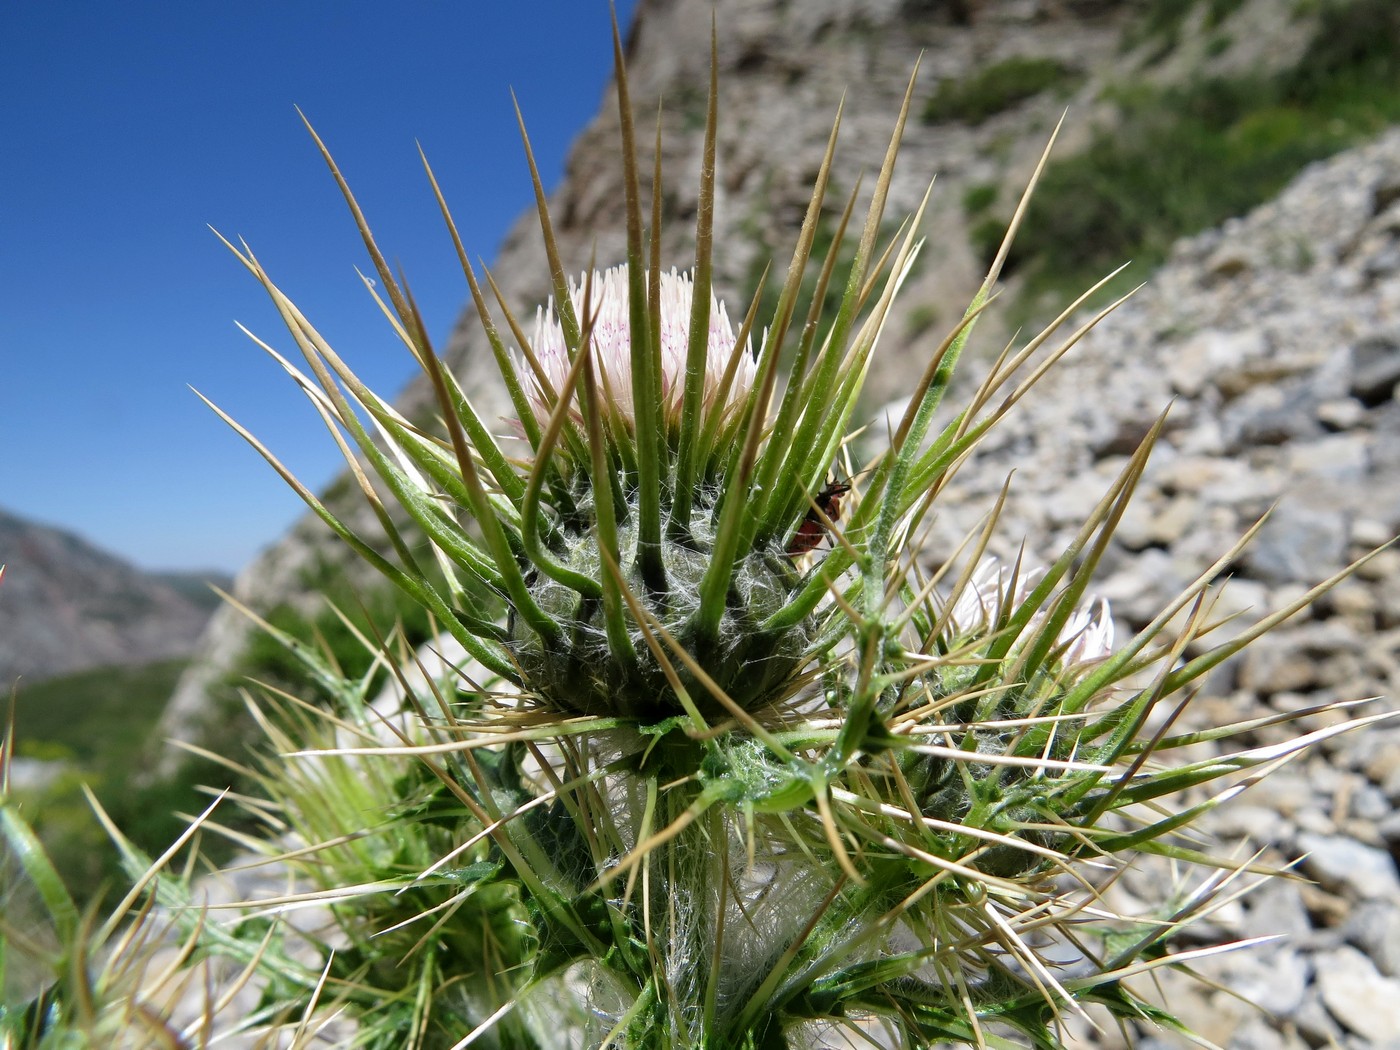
{"x": 130, "y": 128}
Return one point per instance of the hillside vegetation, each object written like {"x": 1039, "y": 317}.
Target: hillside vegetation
{"x": 1179, "y": 158}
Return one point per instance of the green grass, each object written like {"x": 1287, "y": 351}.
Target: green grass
{"x": 103, "y": 717}
{"x": 1161, "y": 21}
{"x": 374, "y": 614}
{"x": 1186, "y": 159}
{"x": 997, "y": 87}
{"x": 977, "y": 199}
{"x": 102, "y": 721}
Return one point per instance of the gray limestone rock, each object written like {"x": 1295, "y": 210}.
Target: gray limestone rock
{"x": 1362, "y": 1000}
{"x": 1298, "y": 543}
{"x": 1345, "y": 865}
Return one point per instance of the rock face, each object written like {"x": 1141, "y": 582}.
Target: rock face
{"x": 66, "y": 606}
{"x": 1276, "y": 341}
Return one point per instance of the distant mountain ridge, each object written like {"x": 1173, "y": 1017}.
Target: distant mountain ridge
{"x": 67, "y": 606}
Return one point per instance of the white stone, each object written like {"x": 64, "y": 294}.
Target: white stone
{"x": 1341, "y": 413}
{"x": 1274, "y": 981}
{"x": 1375, "y": 928}
{"x": 1343, "y": 865}
{"x": 1356, "y": 994}
{"x": 1339, "y": 458}
{"x": 1192, "y": 366}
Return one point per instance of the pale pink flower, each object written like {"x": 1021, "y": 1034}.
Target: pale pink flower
{"x": 612, "y": 347}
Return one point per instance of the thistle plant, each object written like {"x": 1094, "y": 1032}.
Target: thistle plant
{"x": 711, "y": 752}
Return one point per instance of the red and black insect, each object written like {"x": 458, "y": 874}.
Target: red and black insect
{"x": 810, "y": 532}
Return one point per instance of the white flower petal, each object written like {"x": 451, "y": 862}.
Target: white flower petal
{"x": 612, "y": 346}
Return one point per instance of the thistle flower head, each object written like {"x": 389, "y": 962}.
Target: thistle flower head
{"x": 584, "y": 660}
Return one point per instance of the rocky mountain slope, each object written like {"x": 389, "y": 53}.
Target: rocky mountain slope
{"x": 785, "y": 69}
{"x": 66, "y": 606}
